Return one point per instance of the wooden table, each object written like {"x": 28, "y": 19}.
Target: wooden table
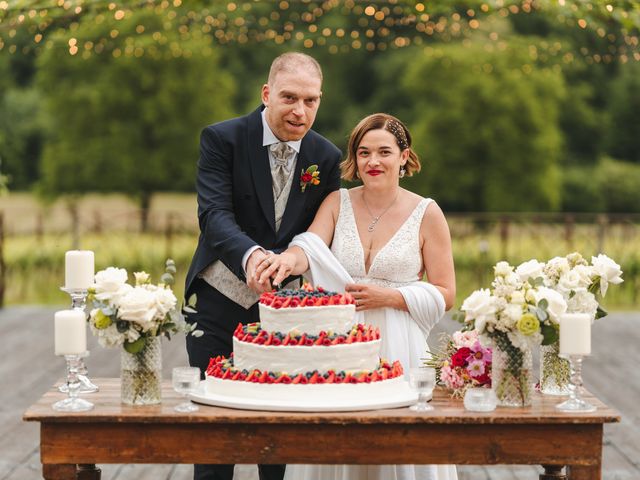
{"x": 71, "y": 444}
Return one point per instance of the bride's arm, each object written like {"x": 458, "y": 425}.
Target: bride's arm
{"x": 293, "y": 260}
{"x": 437, "y": 254}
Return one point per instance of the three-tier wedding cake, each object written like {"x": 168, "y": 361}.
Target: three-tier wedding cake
{"x": 306, "y": 346}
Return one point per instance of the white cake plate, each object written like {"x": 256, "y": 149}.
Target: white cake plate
{"x": 400, "y": 399}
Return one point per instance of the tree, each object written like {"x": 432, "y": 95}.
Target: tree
{"x": 486, "y": 126}
{"x": 624, "y": 130}
{"x": 126, "y": 116}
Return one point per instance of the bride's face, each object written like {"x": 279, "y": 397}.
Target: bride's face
{"x": 379, "y": 157}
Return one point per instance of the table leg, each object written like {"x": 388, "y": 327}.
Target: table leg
{"x": 585, "y": 473}
{"x": 88, "y": 471}
{"x": 52, "y": 471}
{"x": 553, "y": 472}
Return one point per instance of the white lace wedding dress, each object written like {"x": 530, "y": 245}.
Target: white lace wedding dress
{"x": 397, "y": 264}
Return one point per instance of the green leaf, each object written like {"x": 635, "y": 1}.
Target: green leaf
{"x": 543, "y": 303}
{"x": 550, "y": 334}
{"x": 135, "y": 347}
{"x": 192, "y": 300}
{"x": 312, "y": 168}
{"x": 601, "y": 312}
{"x": 542, "y": 314}
{"x": 189, "y": 310}
{"x": 167, "y": 279}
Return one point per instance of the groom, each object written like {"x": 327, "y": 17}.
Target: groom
{"x": 253, "y": 198}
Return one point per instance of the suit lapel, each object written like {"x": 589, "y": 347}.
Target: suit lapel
{"x": 260, "y": 170}
{"x": 297, "y": 199}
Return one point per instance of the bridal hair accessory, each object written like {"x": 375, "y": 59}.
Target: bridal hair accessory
{"x": 397, "y": 130}
{"x": 310, "y": 176}
{"x": 376, "y": 219}
{"x": 402, "y": 171}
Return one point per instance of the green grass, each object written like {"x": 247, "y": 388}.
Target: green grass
{"x": 35, "y": 262}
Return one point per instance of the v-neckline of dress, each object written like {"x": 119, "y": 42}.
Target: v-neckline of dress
{"x": 355, "y": 227}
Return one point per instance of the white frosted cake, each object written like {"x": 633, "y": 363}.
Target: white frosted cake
{"x": 306, "y": 346}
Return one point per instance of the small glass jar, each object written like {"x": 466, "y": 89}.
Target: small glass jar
{"x": 480, "y": 400}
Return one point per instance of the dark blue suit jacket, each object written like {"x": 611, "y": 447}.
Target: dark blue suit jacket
{"x": 235, "y": 199}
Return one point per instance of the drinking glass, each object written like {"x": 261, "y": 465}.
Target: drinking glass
{"x": 185, "y": 380}
{"x": 422, "y": 380}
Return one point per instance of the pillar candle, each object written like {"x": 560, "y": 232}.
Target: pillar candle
{"x": 70, "y": 332}
{"x": 78, "y": 269}
{"x": 575, "y": 334}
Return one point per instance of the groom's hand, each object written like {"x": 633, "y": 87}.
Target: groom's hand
{"x": 276, "y": 268}
{"x": 253, "y": 281}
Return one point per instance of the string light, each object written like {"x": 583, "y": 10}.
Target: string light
{"x": 371, "y": 25}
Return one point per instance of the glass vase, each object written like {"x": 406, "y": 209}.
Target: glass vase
{"x": 511, "y": 374}
{"x": 141, "y": 374}
{"x": 555, "y": 372}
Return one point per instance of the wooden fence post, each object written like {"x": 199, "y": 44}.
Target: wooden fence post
{"x": 2, "y": 264}
{"x": 168, "y": 235}
{"x": 568, "y": 231}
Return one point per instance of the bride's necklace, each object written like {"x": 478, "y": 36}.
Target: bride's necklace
{"x": 375, "y": 218}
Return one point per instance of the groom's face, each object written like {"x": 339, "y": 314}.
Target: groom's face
{"x": 292, "y": 101}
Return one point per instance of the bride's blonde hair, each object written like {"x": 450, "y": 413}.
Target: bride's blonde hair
{"x": 379, "y": 121}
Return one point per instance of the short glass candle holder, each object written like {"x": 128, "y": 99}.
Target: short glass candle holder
{"x": 575, "y": 403}
{"x": 72, "y": 403}
{"x": 480, "y": 400}
{"x": 79, "y": 302}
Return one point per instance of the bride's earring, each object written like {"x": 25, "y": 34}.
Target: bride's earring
{"x": 402, "y": 172}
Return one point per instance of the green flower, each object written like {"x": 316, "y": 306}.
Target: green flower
{"x": 528, "y": 324}
{"x": 102, "y": 321}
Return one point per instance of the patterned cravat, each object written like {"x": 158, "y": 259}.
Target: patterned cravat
{"x": 281, "y": 153}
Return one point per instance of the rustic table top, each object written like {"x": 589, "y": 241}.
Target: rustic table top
{"x": 109, "y": 409}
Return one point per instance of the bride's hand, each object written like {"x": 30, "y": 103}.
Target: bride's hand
{"x": 369, "y": 297}
{"x": 277, "y": 267}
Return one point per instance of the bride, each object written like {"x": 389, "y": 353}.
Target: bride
{"x": 383, "y": 239}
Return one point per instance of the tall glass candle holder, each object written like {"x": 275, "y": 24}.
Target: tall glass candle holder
{"x": 575, "y": 343}
{"x": 575, "y": 403}
{"x": 73, "y": 403}
{"x": 79, "y": 302}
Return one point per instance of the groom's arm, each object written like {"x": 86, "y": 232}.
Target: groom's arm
{"x": 216, "y": 215}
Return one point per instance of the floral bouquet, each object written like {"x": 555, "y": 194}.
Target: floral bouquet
{"x": 136, "y": 316}
{"x": 462, "y": 363}
{"x": 523, "y": 308}
{"x": 581, "y": 285}
{"x": 130, "y": 315}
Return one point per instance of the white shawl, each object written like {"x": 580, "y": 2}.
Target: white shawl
{"x": 425, "y": 302}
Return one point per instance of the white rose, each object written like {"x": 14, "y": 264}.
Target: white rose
{"x": 530, "y": 269}
{"x": 109, "y": 283}
{"x": 608, "y": 271}
{"x": 479, "y": 303}
{"x": 138, "y": 305}
{"x": 557, "y": 303}
{"x": 568, "y": 282}
{"x": 583, "y": 302}
{"x": 502, "y": 269}
{"x": 165, "y": 301}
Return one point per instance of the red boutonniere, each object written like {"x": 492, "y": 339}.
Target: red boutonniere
{"x": 309, "y": 177}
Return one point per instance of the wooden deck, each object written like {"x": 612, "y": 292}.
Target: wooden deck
{"x": 29, "y": 368}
